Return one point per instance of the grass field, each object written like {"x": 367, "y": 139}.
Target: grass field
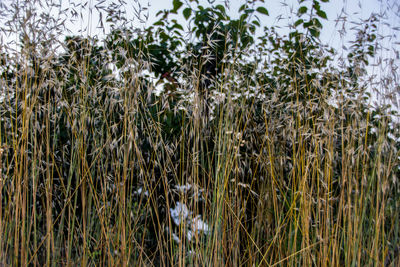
{"x": 253, "y": 153}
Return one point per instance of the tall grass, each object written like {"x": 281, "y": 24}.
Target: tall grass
{"x": 284, "y": 169}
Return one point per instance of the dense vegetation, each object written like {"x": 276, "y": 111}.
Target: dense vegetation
{"x": 259, "y": 149}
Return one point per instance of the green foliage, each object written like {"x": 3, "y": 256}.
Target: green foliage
{"x": 262, "y": 10}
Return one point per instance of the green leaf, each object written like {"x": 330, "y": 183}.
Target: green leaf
{"x": 293, "y": 34}
{"x": 220, "y": 8}
{"x": 262, "y": 10}
{"x": 316, "y": 5}
{"x": 178, "y": 26}
{"x": 252, "y": 29}
{"x": 176, "y": 4}
{"x": 308, "y": 24}
{"x": 187, "y": 12}
{"x": 243, "y": 7}
{"x": 177, "y": 33}
{"x": 315, "y": 33}
{"x": 302, "y": 10}
{"x": 298, "y": 22}
{"x": 317, "y": 23}
{"x": 164, "y": 37}
{"x": 255, "y": 22}
{"x": 243, "y": 17}
{"x": 159, "y": 23}
{"x": 322, "y": 14}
